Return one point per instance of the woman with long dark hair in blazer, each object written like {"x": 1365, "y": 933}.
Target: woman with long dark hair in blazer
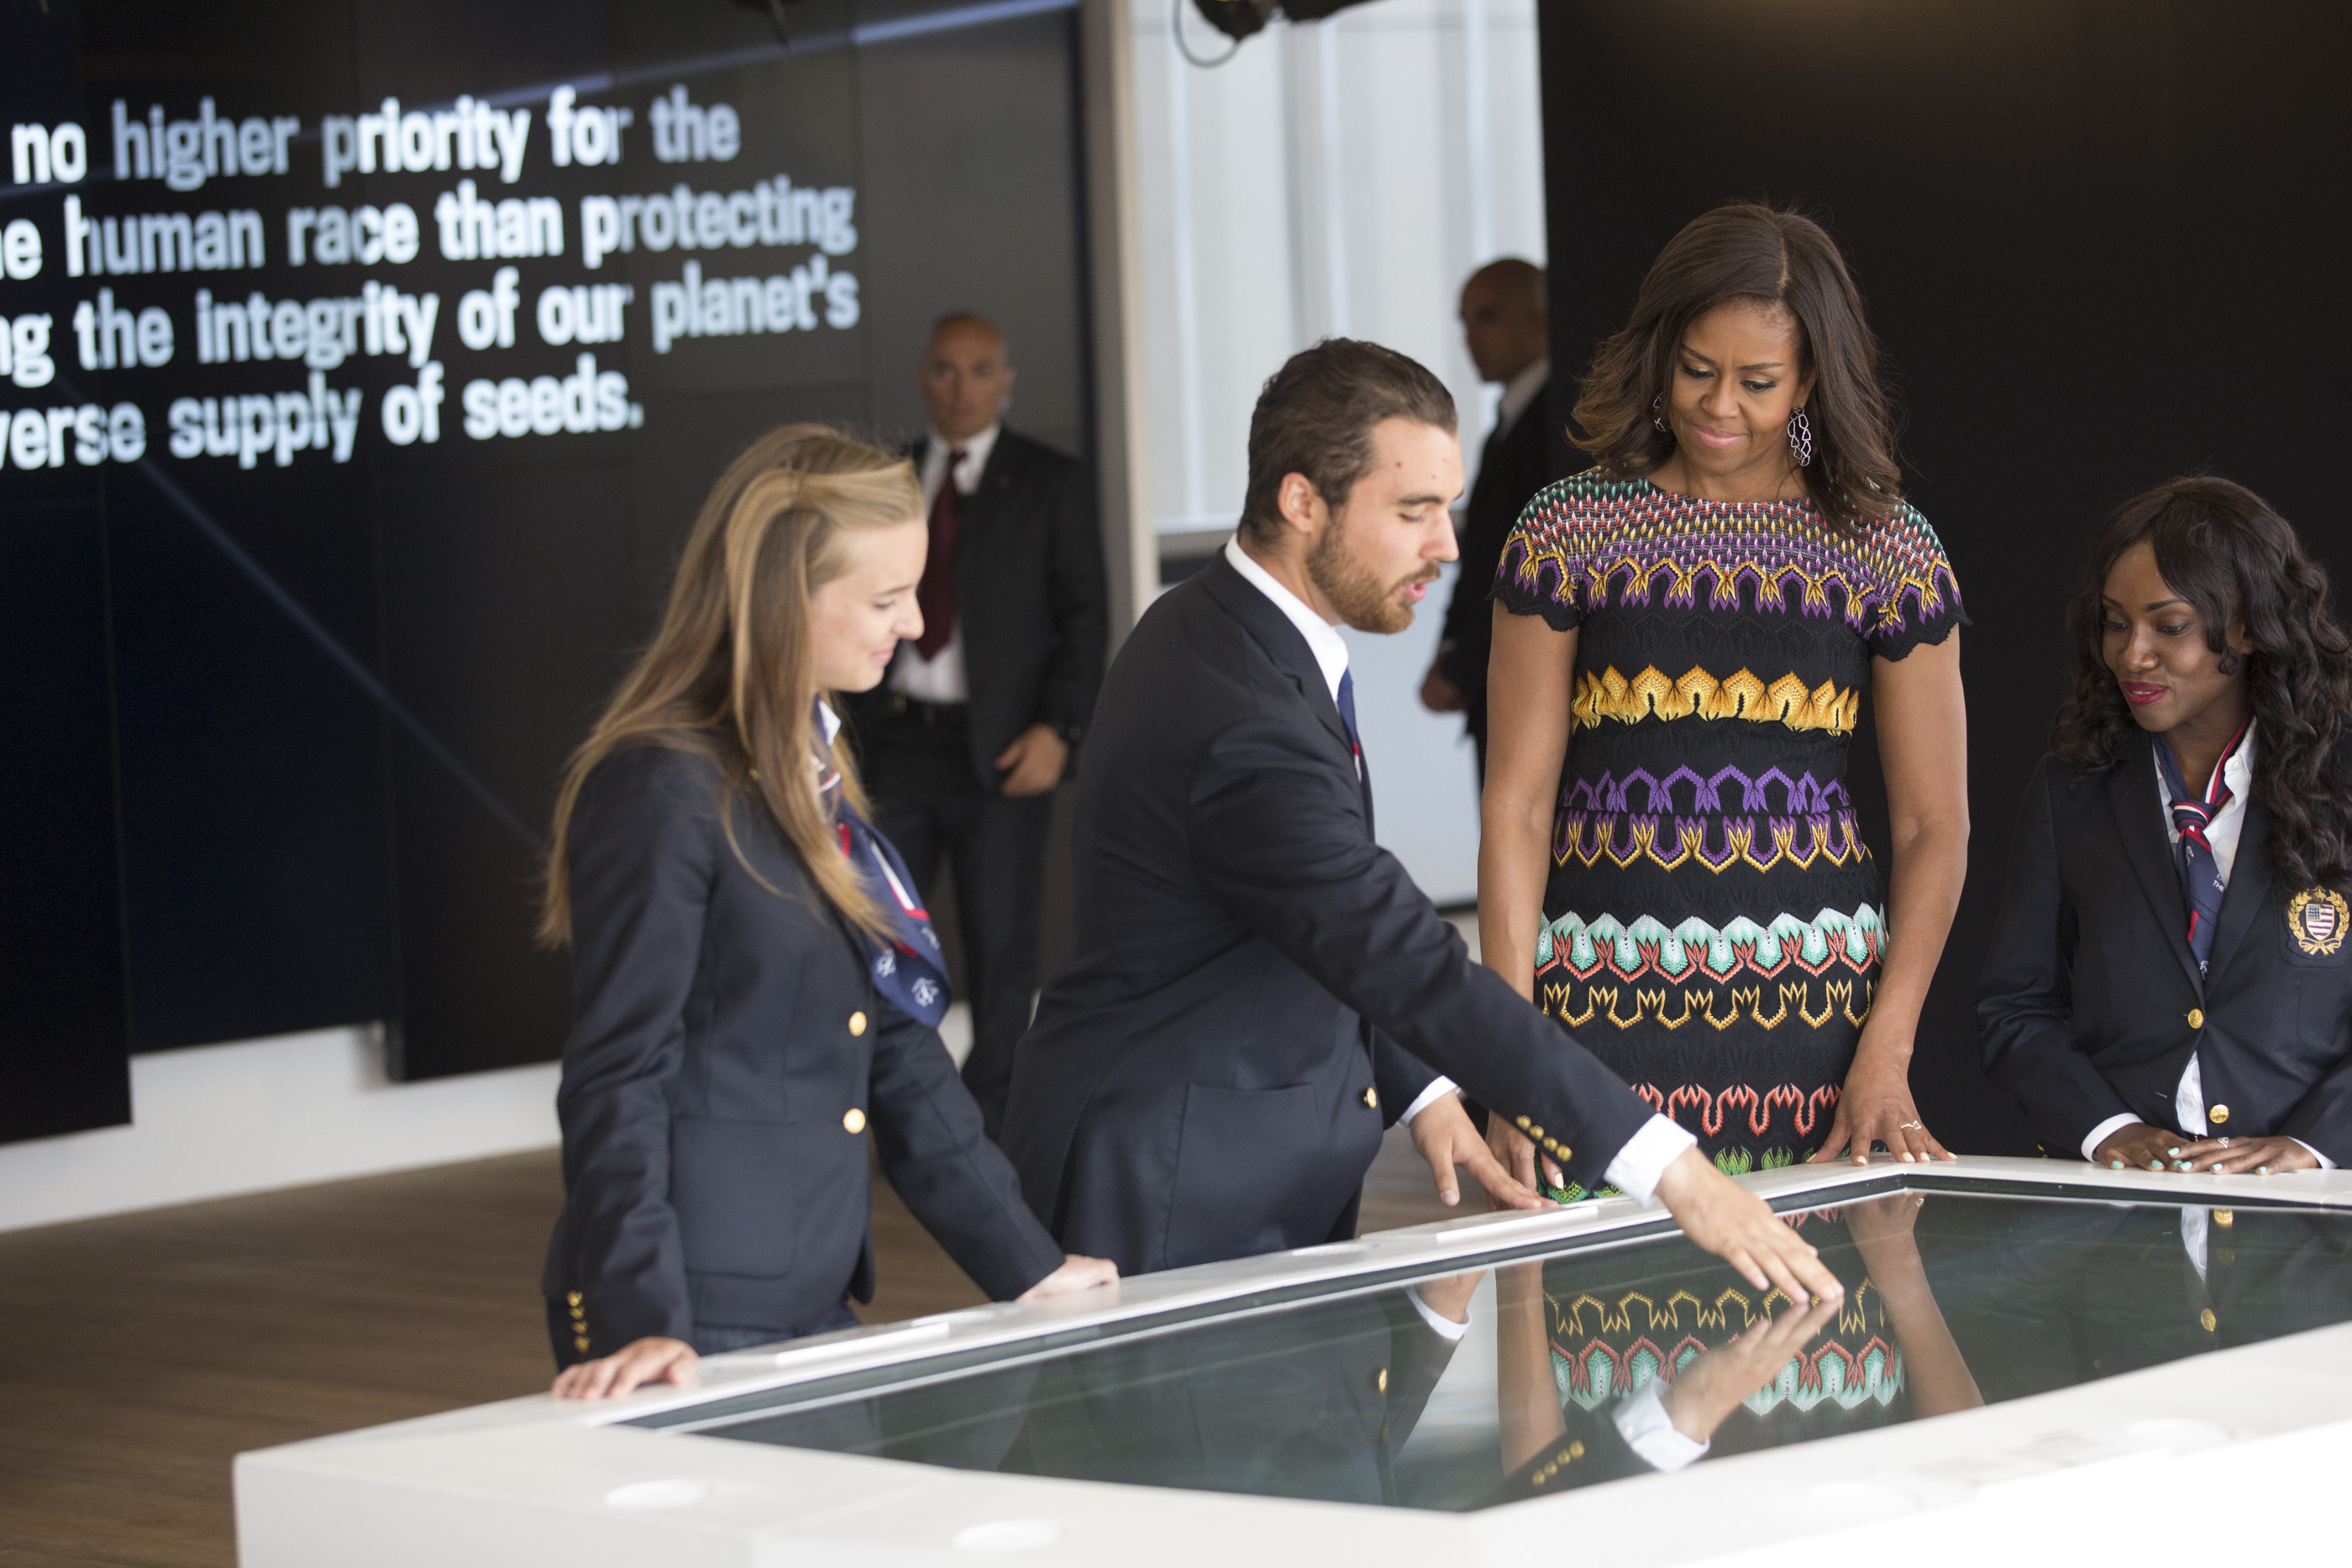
{"x": 754, "y": 975}
{"x": 2170, "y": 984}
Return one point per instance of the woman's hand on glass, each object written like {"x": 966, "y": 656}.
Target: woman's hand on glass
{"x": 1875, "y": 1106}
{"x": 653, "y": 1359}
{"x": 2140, "y": 1147}
{"x": 2238, "y": 1157}
{"x": 1076, "y": 1273}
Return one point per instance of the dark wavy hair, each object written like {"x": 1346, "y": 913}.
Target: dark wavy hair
{"x": 2223, "y": 548}
{"x": 1747, "y": 251}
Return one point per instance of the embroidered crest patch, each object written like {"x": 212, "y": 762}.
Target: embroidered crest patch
{"x": 2316, "y": 918}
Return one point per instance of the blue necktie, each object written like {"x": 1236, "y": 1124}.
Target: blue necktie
{"x": 1347, "y": 716}
{"x": 2200, "y": 874}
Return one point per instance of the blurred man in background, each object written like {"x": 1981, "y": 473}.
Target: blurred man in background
{"x": 968, "y": 733}
{"x": 1505, "y": 322}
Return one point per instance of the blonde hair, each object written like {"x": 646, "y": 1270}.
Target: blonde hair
{"x": 731, "y": 675}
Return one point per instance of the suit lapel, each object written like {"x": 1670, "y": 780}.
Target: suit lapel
{"x": 2251, "y": 895}
{"x": 1273, "y": 632}
{"x": 2139, "y": 823}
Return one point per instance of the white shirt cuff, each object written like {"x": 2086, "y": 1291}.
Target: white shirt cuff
{"x": 1437, "y": 1086}
{"x": 1440, "y": 1326}
{"x": 2325, "y": 1163}
{"x": 1650, "y": 1432}
{"x": 1645, "y": 1157}
{"x": 2102, "y": 1133}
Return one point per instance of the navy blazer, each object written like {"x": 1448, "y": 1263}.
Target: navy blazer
{"x": 727, "y": 1050}
{"x": 1031, "y": 597}
{"x": 2091, "y": 1001}
{"x": 1215, "y": 1059}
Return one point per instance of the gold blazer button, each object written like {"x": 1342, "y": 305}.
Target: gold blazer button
{"x": 853, "y": 1119}
{"x": 2206, "y": 1320}
{"x": 2196, "y": 1018}
{"x": 1373, "y": 1098}
{"x": 2219, "y": 1114}
{"x": 2225, "y": 1217}
{"x": 857, "y": 1023}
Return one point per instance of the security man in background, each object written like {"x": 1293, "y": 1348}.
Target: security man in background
{"x": 1505, "y": 322}
{"x": 973, "y": 728}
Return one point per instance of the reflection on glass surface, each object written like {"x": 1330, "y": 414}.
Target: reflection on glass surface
{"x": 1572, "y": 1363}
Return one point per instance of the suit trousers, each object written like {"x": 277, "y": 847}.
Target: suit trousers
{"x": 919, "y": 771}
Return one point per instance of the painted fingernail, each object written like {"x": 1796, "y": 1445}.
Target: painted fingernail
{"x": 2262, "y": 1170}
{"x": 2179, "y": 1164}
{"x": 2156, "y": 1164}
{"x": 2117, "y": 1164}
{"x": 2174, "y": 1153}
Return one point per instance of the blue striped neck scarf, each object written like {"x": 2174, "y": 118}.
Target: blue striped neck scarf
{"x": 2201, "y": 872}
{"x": 909, "y": 970}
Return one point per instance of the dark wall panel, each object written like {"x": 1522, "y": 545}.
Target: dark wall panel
{"x": 254, "y": 803}
{"x": 63, "y": 1021}
{"x": 62, "y": 1025}
{"x": 2099, "y": 246}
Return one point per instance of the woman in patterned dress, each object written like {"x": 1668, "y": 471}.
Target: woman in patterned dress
{"x": 1683, "y": 636}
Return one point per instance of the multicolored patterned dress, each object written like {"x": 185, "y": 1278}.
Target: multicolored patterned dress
{"x": 1713, "y": 920}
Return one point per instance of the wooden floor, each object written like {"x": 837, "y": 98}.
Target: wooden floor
{"x": 139, "y": 1354}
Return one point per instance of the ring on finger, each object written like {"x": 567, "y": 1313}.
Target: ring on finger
{"x": 1910, "y": 1127}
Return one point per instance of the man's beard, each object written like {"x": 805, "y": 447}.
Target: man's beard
{"x": 1362, "y": 600}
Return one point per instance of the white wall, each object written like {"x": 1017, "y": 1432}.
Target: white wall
{"x": 1336, "y": 178}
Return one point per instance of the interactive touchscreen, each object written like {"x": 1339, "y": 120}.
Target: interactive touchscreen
{"x": 1606, "y": 1361}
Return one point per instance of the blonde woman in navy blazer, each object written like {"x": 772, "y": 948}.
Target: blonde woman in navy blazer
{"x": 756, "y": 983}
{"x": 2170, "y": 984}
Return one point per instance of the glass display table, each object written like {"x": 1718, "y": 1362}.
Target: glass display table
{"x": 2029, "y": 1353}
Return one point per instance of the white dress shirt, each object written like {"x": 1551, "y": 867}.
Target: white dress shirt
{"x": 1647, "y": 1154}
{"x": 2222, "y": 834}
{"x": 940, "y": 677}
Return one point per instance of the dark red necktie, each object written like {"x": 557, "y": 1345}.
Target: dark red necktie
{"x": 935, "y": 592}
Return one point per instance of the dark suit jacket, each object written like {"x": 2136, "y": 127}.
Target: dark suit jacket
{"x": 723, "y": 1032}
{"x": 1200, "y": 1082}
{"x": 1031, "y": 594}
{"x": 2086, "y": 996}
{"x": 1517, "y": 464}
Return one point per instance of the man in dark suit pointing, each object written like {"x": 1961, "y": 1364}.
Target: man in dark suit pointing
{"x": 1256, "y": 988}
